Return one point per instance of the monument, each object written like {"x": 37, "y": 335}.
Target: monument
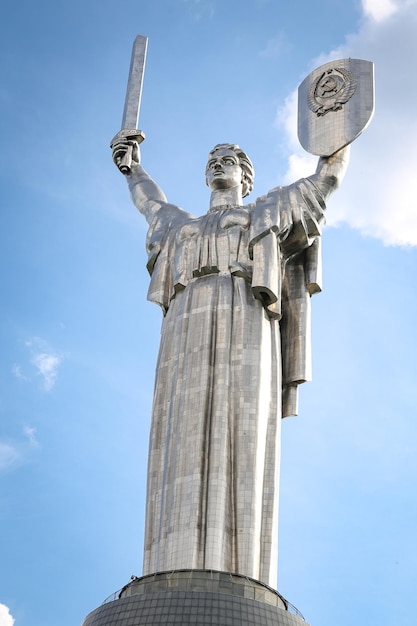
{"x": 234, "y": 286}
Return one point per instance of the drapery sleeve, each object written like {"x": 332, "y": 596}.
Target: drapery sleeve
{"x": 285, "y": 248}
{"x": 284, "y": 222}
{"x": 160, "y": 246}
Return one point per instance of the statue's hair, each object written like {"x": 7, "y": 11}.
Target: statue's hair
{"x": 244, "y": 162}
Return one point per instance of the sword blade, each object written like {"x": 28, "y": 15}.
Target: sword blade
{"x": 134, "y": 84}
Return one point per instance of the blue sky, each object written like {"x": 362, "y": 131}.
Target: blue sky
{"x": 79, "y": 340}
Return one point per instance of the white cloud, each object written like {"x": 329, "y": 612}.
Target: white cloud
{"x": 46, "y": 362}
{"x": 9, "y": 456}
{"x": 379, "y": 194}
{"x": 300, "y": 163}
{"x": 47, "y": 366}
{"x": 6, "y": 618}
{"x": 14, "y": 453}
{"x": 379, "y": 9}
{"x": 30, "y": 433}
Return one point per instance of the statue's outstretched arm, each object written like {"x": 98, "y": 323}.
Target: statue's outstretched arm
{"x": 147, "y": 196}
{"x": 330, "y": 171}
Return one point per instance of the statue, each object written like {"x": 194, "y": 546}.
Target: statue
{"x": 234, "y": 286}
{"x": 222, "y": 281}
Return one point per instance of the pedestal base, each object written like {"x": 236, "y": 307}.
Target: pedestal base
{"x": 195, "y": 598}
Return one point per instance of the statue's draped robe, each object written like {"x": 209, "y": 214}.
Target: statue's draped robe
{"x": 234, "y": 286}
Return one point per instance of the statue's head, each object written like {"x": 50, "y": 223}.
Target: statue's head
{"x": 232, "y": 150}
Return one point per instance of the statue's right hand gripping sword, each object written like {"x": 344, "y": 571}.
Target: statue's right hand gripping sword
{"x": 130, "y": 118}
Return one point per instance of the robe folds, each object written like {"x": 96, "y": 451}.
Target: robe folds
{"x": 234, "y": 286}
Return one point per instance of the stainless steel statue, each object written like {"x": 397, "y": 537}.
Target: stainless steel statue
{"x": 234, "y": 286}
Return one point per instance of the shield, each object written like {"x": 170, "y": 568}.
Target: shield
{"x": 335, "y": 105}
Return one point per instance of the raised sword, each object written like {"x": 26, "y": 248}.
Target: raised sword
{"x": 130, "y": 119}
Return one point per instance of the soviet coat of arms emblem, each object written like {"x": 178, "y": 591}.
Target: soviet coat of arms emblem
{"x": 331, "y": 91}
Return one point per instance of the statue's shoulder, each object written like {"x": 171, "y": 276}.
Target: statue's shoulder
{"x": 277, "y": 192}
{"x": 170, "y": 214}
{"x": 267, "y": 200}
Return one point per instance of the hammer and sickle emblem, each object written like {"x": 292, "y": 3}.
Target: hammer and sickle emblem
{"x": 331, "y": 91}
{"x": 327, "y": 87}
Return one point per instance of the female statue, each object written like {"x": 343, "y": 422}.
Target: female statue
{"x": 234, "y": 286}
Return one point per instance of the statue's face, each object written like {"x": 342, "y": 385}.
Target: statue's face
{"x": 223, "y": 170}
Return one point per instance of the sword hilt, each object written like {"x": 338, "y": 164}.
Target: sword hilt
{"x": 126, "y": 134}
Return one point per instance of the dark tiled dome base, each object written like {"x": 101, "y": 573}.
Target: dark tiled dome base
{"x": 195, "y": 598}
